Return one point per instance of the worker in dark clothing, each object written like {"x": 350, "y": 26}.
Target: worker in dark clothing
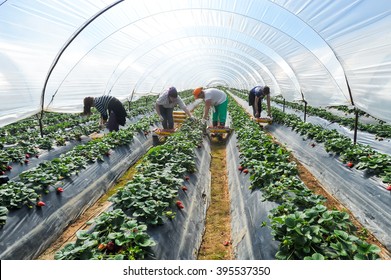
{"x": 113, "y": 113}
{"x": 255, "y": 99}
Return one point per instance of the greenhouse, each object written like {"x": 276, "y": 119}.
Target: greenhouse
{"x": 128, "y": 132}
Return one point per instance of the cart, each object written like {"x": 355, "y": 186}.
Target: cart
{"x": 159, "y": 135}
{"x": 219, "y": 132}
{"x": 266, "y": 120}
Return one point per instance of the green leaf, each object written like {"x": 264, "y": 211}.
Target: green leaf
{"x": 82, "y": 235}
{"x": 290, "y": 222}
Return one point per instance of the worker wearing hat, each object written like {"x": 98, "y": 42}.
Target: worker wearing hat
{"x": 165, "y": 104}
{"x": 216, "y": 99}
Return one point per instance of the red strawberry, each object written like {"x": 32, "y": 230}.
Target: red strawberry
{"x": 108, "y": 154}
{"x": 9, "y": 167}
{"x": 37, "y": 156}
{"x": 110, "y": 246}
{"x": 27, "y": 155}
{"x": 350, "y": 164}
{"x": 2, "y": 172}
{"x": 313, "y": 145}
{"x": 187, "y": 178}
{"x": 240, "y": 168}
{"x": 102, "y": 246}
{"x": 226, "y": 243}
{"x": 60, "y": 190}
{"x": 245, "y": 171}
{"x": 389, "y": 188}
{"x": 26, "y": 161}
{"x": 184, "y": 188}
{"x": 179, "y": 204}
{"x": 40, "y": 203}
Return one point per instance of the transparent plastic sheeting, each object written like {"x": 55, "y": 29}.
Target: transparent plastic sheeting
{"x": 366, "y": 197}
{"x": 91, "y": 48}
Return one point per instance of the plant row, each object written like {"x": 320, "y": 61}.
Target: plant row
{"x": 362, "y": 157}
{"x": 380, "y": 130}
{"x": 150, "y": 198}
{"x": 22, "y": 140}
{"x": 35, "y": 182}
{"x": 305, "y": 228}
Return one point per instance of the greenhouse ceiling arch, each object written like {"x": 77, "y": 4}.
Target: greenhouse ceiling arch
{"x": 345, "y": 38}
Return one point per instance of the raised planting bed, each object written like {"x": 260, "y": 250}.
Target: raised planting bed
{"x": 303, "y": 226}
{"x": 56, "y": 200}
{"x": 167, "y": 198}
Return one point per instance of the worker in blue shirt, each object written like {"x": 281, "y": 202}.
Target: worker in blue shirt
{"x": 255, "y": 99}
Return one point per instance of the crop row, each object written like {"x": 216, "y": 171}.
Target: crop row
{"x": 35, "y": 182}
{"x": 22, "y": 140}
{"x": 305, "y": 228}
{"x": 362, "y": 157}
{"x": 380, "y": 129}
{"x": 148, "y": 199}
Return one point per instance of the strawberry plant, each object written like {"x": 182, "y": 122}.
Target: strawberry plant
{"x": 16, "y": 195}
{"x": 114, "y": 236}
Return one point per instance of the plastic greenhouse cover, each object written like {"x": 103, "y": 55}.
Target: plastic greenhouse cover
{"x": 54, "y": 53}
{"x": 362, "y": 195}
{"x": 28, "y": 232}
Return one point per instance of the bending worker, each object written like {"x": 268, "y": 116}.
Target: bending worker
{"x": 213, "y": 98}
{"x": 165, "y": 104}
{"x": 113, "y": 113}
{"x": 255, "y": 99}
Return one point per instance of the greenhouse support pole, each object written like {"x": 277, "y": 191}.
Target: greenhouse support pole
{"x": 40, "y": 123}
{"x": 283, "y": 106}
{"x": 305, "y": 110}
{"x": 355, "y": 111}
{"x": 355, "y": 126}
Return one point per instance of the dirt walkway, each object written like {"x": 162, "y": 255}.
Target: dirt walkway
{"x": 216, "y": 243}
{"x": 101, "y": 205}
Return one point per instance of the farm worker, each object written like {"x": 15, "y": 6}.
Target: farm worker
{"x": 165, "y": 104}
{"x": 255, "y": 98}
{"x": 112, "y": 112}
{"x": 215, "y": 99}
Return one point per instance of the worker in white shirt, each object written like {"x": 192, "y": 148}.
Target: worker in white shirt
{"x": 165, "y": 104}
{"x": 217, "y": 99}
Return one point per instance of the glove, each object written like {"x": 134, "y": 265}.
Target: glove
{"x": 161, "y": 118}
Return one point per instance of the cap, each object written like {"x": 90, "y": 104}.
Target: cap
{"x": 172, "y": 92}
{"x": 197, "y": 92}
